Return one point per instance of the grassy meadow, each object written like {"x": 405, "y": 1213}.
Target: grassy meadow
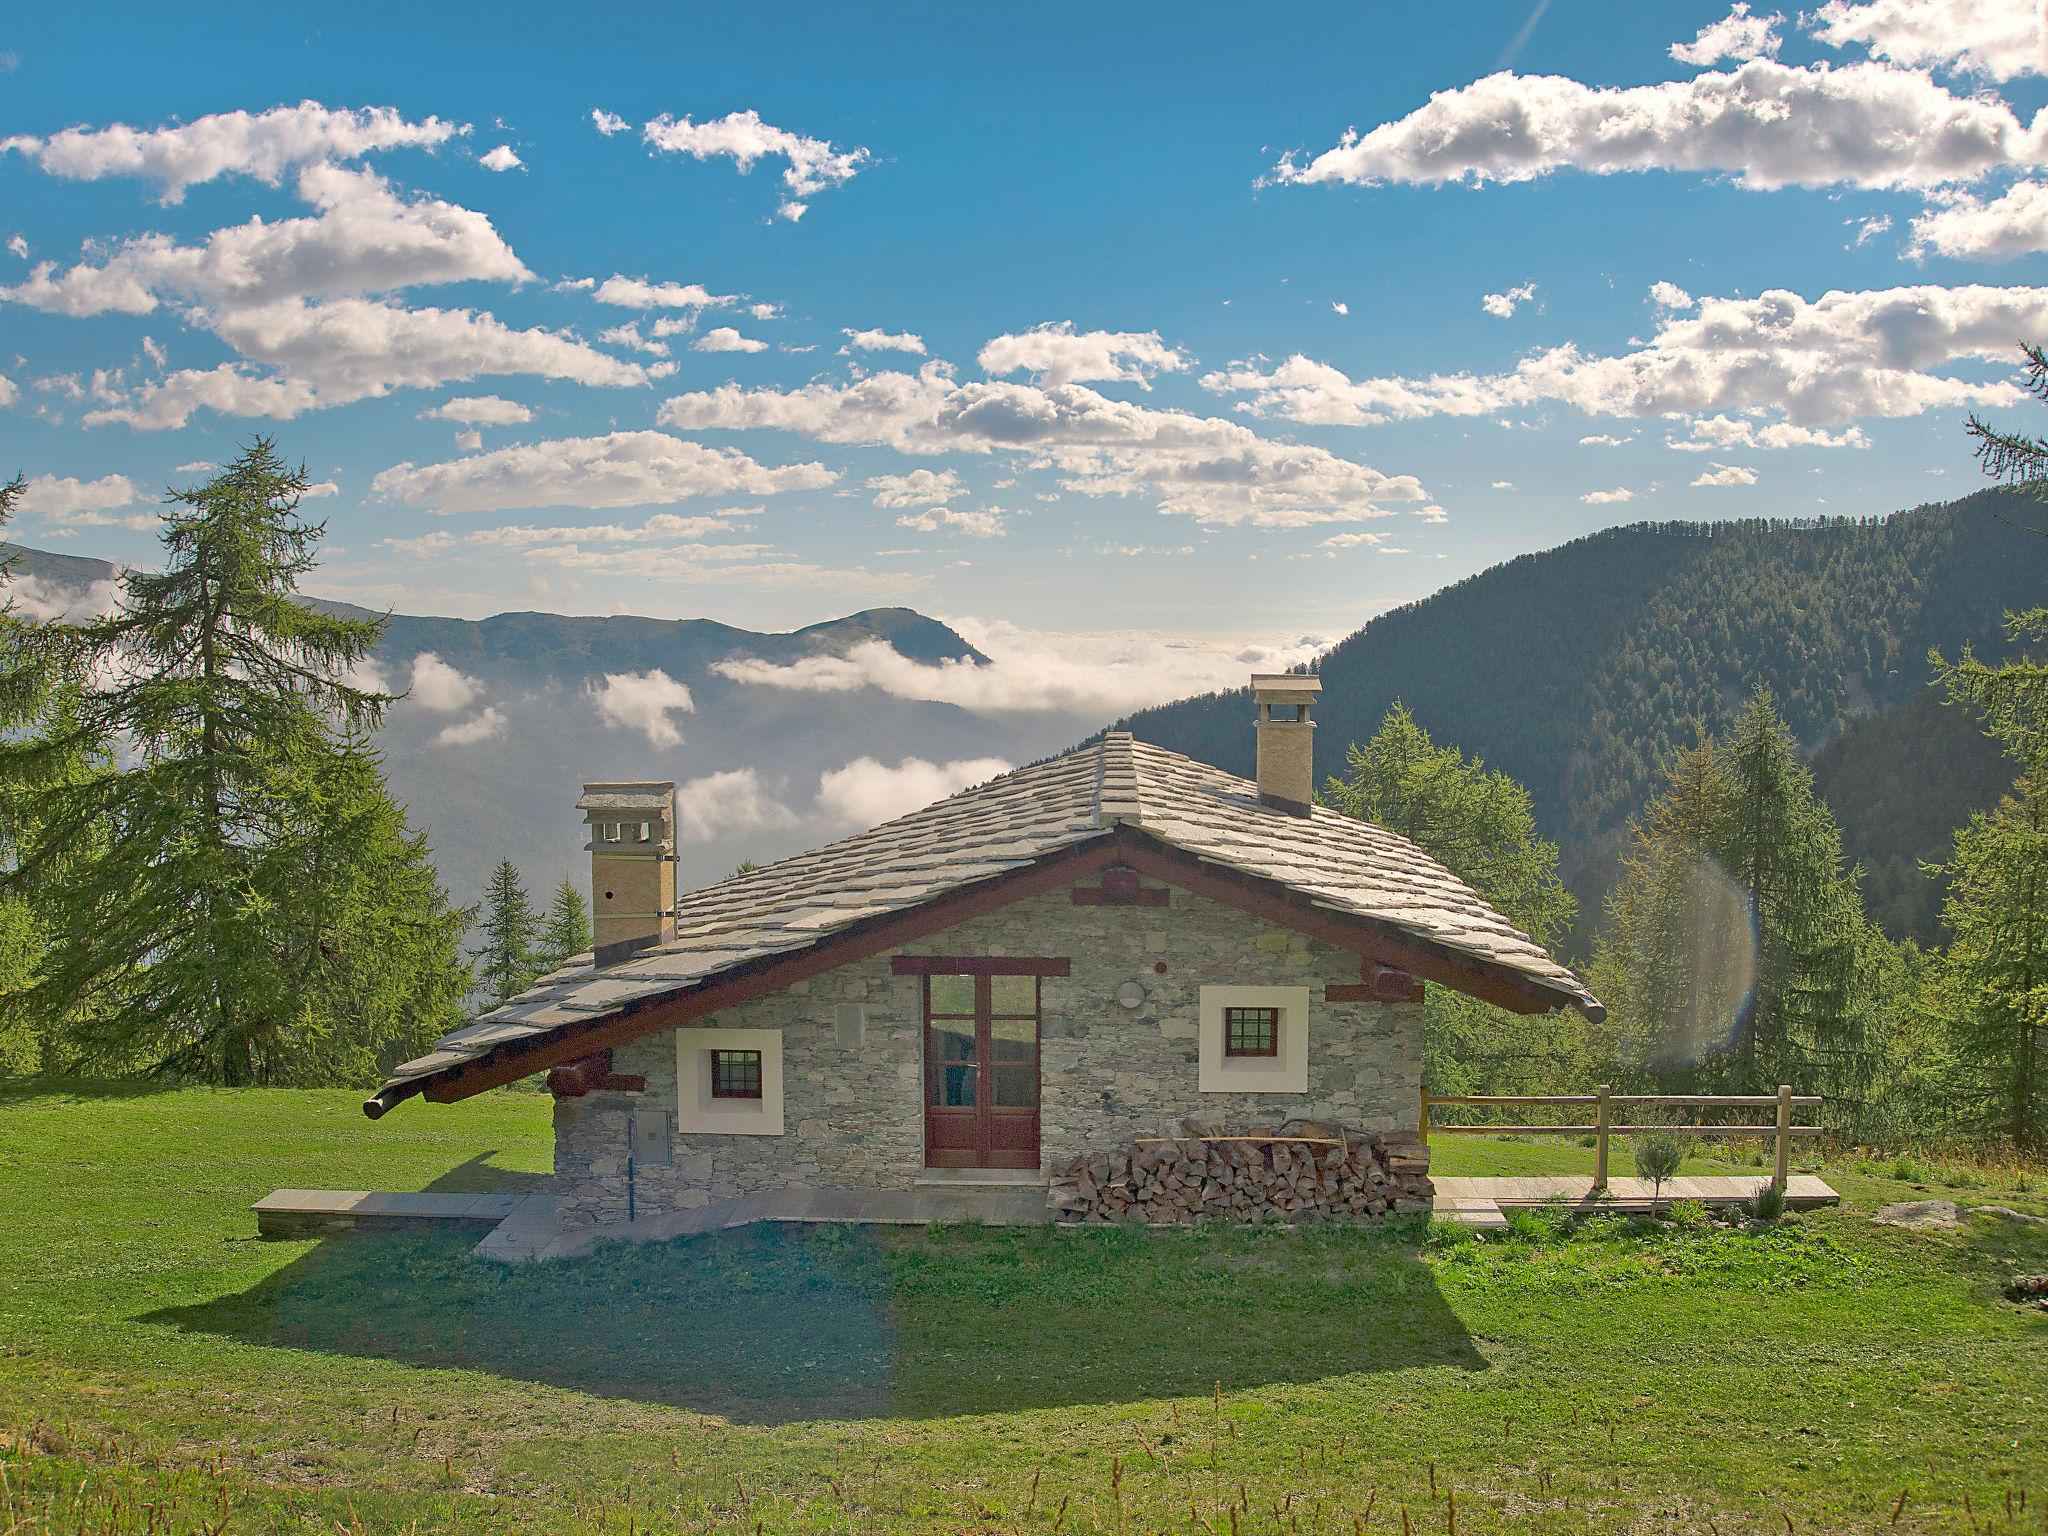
{"x": 162, "y": 1370}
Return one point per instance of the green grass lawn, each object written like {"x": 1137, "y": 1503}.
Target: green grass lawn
{"x": 161, "y": 1370}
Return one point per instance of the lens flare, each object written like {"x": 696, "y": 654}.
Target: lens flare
{"x": 1713, "y": 926}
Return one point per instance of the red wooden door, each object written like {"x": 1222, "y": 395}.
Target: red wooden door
{"x": 981, "y": 1071}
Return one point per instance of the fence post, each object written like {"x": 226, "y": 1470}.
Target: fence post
{"x": 1423, "y": 1125}
{"x": 1784, "y": 1135}
{"x": 1600, "y": 1120}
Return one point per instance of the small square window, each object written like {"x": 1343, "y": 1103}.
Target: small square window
{"x": 610, "y": 831}
{"x": 736, "y": 1074}
{"x": 1251, "y": 1032}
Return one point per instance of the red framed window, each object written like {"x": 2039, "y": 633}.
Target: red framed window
{"x": 735, "y": 1074}
{"x": 1251, "y": 1032}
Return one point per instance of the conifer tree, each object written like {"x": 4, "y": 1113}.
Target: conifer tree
{"x": 511, "y": 954}
{"x": 250, "y": 908}
{"x": 1478, "y": 822}
{"x": 1992, "y": 987}
{"x": 566, "y": 931}
{"x": 1736, "y": 935}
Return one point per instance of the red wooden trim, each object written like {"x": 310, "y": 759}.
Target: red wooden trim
{"x": 980, "y": 965}
{"x": 1373, "y": 941}
{"x": 1150, "y": 896}
{"x": 857, "y": 941}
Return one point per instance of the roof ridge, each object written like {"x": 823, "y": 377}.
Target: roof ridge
{"x": 1116, "y": 782}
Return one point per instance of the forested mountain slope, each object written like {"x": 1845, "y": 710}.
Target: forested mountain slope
{"x": 1900, "y": 783}
{"x": 1580, "y": 670}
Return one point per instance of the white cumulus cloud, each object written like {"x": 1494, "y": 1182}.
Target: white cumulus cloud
{"x": 261, "y": 144}
{"x": 1738, "y": 35}
{"x": 63, "y": 496}
{"x": 1055, "y": 353}
{"x": 620, "y": 469}
{"x": 919, "y": 488}
{"x": 503, "y": 158}
{"x": 440, "y": 688}
{"x": 2013, "y": 224}
{"x": 1769, "y": 124}
{"x": 1999, "y": 38}
{"x": 480, "y": 411}
{"x": 1092, "y": 675}
{"x": 1825, "y": 361}
{"x": 866, "y": 793}
{"x": 882, "y": 341}
{"x": 467, "y": 733}
{"x": 814, "y": 165}
{"x": 1505, "y": 304}
{"x": 1608, "y": 498}
{"x": 640, "y": 293}
{"x": 984, "y": 524}
{"x": 1216, "y": 470}
{"x": 719, "y": 804}
{"x": 723, "y": 338}
{"x": 1727, "y": 474}
{"x": 643, "y": 701}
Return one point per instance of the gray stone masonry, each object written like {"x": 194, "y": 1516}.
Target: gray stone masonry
{"x": 853, "y": 1112}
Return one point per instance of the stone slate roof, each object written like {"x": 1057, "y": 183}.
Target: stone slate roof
{"x": 1347, "y": 867}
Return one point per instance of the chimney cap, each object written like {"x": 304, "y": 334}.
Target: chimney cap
{"x": 1286, "y": 682}
{"x": 629, "y": 795}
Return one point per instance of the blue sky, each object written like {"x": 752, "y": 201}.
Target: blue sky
{"x": 1273, "y": 399}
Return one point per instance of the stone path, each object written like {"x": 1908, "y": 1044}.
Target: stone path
{"x": 319, "y": 1212}
{"x": 1481, "y": 1202}
{"x": 522, "y": 1228}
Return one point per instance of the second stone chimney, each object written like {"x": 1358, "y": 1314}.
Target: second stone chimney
{"x": 1287, "y": 766}
{"x": 632, "y": 865}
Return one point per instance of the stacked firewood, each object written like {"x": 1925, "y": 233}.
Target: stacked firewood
{"x": 1305, "y": 1171}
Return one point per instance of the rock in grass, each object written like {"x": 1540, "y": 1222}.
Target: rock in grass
{"x": 2027, "y": 1287}
{"x": 2007, "y": 1213}
{"x": 1921, "y": 1215}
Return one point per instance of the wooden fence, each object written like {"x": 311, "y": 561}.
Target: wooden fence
{"x": 1604, "y": 1102}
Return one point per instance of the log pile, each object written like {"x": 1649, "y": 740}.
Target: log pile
{"x": 1305, "y": 1171}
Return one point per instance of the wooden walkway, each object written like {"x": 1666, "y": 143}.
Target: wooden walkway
{"x": 1481, "y": 1202}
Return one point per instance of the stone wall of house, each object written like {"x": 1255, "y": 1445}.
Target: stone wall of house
{"x": 853, "y": 1111}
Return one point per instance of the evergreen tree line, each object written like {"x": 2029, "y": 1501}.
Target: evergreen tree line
{"x": 202, "y": 873}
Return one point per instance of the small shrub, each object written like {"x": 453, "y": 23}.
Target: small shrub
{"x": 1691, "y": 1215}
{"x": 1768, "y": 1203}
{"x": 1908, "y": 1172}
{"x": 1658, "y": 1155}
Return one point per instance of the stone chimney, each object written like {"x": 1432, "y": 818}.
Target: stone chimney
{"x": 632, "y": 865}
{"x": 1287, "y": 737}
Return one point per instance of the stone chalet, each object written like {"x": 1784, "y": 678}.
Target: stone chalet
{"x": 953, "y": 1006}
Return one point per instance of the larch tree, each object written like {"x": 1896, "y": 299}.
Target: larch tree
{"x": 509, "y": 955}
{"x": 1734, "y": 941}
{"x": 566, "y": 929}
{"x": 1991, "y": 989}
{"x": 247, "y": 906}
{"x": 1479, "y": 824}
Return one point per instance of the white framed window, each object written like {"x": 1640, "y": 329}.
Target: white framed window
{"x": 729, "y": 1081}
{"x": 1253, "y": 1040}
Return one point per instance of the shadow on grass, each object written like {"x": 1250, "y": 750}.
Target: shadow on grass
{"x": 774, "y": 1323}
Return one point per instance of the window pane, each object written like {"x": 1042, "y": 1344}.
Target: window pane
{"x": 952, "y": 994}
{"x": 956, "y": 1086}
{"x": 1251, "y": 1031}
{"x": 952, "y": 1039}
{"x": 736, "y": 1074}
{"x": 1013, "y": 994}
{"x": 1016, "y": 1087}
{"x": 1014, "y": 1040}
